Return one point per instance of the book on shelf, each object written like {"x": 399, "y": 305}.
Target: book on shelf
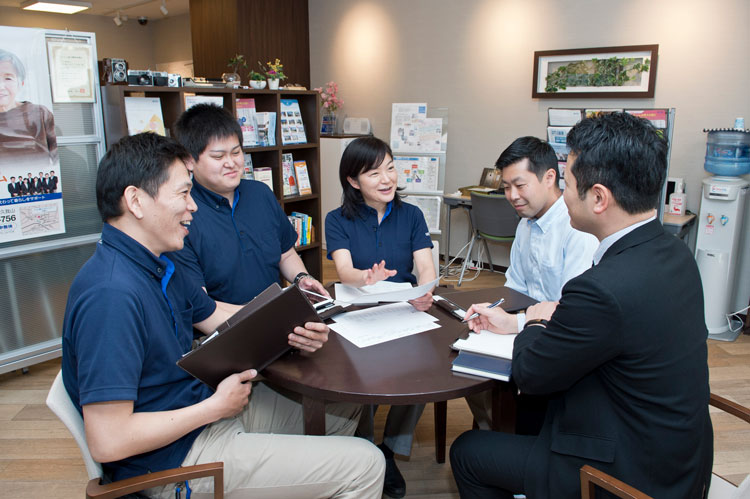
{"x": 192, "y": 99}
{"x": 303, "y": 177}
{"x": 292, "y": 127}
{"x": 143, "y": 114}
{"x": 265, "y": 125}
{"x": 265, "y": 175}
{"x": 482, "y": 365}
{"x": 247, "y": 171}
{"x": 303, "y": 225}
{"x": 289, "y": 177}
{"x": 246, "y": 119}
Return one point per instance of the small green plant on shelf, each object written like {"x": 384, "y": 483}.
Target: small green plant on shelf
{"x": 256, "y": 76}
{"x": 237, "y": 62}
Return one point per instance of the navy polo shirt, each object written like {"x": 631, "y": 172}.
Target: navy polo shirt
{"x": 234, "y": 250}
{"x": 402, "y": 231}
{"x": 128, "y": 319}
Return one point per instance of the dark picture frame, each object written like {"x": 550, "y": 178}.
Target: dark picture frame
{"x": 603, "y": 72}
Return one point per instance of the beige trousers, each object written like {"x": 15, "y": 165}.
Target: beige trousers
{"x": 266, "y": 455}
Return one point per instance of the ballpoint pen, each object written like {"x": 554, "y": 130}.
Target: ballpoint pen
{"x": 476, "y": 314}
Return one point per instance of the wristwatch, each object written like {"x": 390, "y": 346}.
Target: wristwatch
{"x": 536, "y": 322}
{"x": 300, "y": 276}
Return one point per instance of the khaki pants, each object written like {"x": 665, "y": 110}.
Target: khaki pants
{"x": 266, "y": 455}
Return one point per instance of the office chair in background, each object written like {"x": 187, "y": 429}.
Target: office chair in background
{"x": 492, "y": 219}
{"x": 59, "y": 402}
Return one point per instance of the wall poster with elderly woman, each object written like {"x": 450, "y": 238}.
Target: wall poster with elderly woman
{"x": 30, "y": 186}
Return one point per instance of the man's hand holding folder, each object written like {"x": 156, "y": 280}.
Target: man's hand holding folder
{"x": 309, "y": 338}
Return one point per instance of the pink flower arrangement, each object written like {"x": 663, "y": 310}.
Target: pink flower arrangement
{"x": 328, "y": 97}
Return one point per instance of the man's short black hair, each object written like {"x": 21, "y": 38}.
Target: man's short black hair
{"x": 142, "y": 161}
{"x": 540, "y": 154}
{"x": 203, "y": 123}
{"x": 624, "y": 153}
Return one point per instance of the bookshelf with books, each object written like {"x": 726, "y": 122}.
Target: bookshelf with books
{"x": 172, "y": 101}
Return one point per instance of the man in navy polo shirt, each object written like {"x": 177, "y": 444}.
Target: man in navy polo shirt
{"x": 241, "y": 239}
{"x": 129, "y": 318}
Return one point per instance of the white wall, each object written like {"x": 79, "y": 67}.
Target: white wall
{"x": 475, "y": 57}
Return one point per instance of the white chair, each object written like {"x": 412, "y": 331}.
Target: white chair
{"x": 59, "y": 402}
{"x": 720, "y": 488}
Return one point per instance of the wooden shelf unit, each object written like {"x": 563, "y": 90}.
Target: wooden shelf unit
{"x": 173, "y": 105}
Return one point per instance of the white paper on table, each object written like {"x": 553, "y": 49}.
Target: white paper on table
{"x": 376, "y": 325}
{"x": 488, "y": 343}
{"x": 385, "y": 292}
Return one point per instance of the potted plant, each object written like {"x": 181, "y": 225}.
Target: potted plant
{"x": 330, "y": 103}
{"x": 274, "y": 72}
{"x": 233, "y": 79}
{"x": 257, "y": 80}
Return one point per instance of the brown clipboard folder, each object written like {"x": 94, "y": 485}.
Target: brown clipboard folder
{"x": 253, "y": 337}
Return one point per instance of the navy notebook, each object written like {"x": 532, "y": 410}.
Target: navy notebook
{"x": 482, "y": 365}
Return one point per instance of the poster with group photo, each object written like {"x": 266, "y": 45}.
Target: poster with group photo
{"x": 30, "y": 185}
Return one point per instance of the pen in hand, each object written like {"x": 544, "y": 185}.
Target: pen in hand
{"x": 476, "y": 314}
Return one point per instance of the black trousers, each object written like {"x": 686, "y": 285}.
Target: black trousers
{"x": 488, "y": 464}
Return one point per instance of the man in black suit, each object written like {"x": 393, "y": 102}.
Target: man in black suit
{"x": 623, "y": 354}
{"x": 12, "y": 187}
{"x": 52, "y": 182}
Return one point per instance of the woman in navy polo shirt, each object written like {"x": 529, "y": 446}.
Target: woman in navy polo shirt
{"x": 375, "y": 236}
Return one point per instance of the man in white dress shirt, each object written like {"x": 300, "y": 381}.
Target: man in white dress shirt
{"x": 546, "y": 252}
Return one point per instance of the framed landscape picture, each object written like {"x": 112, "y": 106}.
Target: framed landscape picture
{"x": 628, "y": 71}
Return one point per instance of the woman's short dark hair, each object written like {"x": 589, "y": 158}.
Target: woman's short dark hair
{"x": 540, "y": 154}
{"x": 360, "y": 156}
{"x": 202, "y": 123}
{"x": 624, "y": 153}
{"x": 141, "y": 160}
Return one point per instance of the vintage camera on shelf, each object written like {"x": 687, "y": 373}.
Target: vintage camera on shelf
{"x": 161, "y": 78}
{"x": 175, "y": 80}
{"x": 113, "y": 71}
{"x": 140, "y": 77}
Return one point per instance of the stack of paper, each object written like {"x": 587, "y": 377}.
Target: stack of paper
{"x": 485, "y": 354}
{"x": 382, "y": 291}
{"x": 380, "y": 324}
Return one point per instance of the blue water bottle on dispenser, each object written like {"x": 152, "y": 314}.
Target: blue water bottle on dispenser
{"x": 720, "y": 229}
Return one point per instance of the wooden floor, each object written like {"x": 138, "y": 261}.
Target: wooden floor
{"x": 38, "y": 458}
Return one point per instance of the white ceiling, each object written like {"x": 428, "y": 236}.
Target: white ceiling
{"x": 132, "y": 8}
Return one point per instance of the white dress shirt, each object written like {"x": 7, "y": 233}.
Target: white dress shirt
{"x": 611, "y": 239}
{"x": 546, "y": 253}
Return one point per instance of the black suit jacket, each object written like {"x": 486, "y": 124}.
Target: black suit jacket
{"x": 624, "y": 359}
{"x": 11, "y": 188}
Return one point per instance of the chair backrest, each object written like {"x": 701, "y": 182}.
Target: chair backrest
{"x": 59, "y": 402}
{"x": 492, "y": 215}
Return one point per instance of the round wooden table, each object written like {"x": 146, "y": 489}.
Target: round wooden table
{"x": 410, "y": 370}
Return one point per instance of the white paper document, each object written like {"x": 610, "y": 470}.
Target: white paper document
{"x": 383, "y": 291}
{"x": 488, "y": 343}
{"x": 417, "y": 173}
{"x": 376, "y": 325}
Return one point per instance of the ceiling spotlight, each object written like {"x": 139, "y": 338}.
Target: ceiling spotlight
{"x": 56, "y": 6}
{"x": 117, "y": 19}
{"x": 163, "y": 7}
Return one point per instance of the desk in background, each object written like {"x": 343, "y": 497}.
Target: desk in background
{"x": 679, "y": 225}
{"x": 452, "y": 201}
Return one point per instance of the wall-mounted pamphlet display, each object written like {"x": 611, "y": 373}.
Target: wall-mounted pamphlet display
{"x": 417, "y": 173}
{"x": 419, "y": 138}
{"x": 560, "y": 122}
{"x": 430, "y": 206}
